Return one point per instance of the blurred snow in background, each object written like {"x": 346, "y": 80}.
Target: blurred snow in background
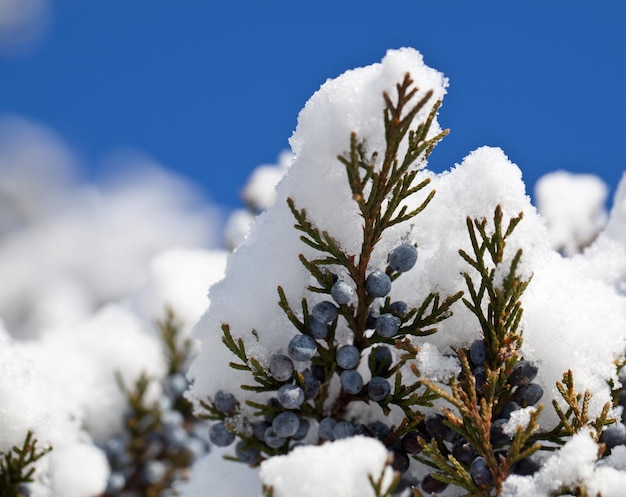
{"x": 22, "y": 23}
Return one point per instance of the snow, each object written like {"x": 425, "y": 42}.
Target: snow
{"x": 342, "y": 469}
{"x": 573, "y": 316}
{"x": 573, "y": 206}
{"x": 221, "y": 476}
{"x": 351, "y": 102}
{"x": 88, "y": 269}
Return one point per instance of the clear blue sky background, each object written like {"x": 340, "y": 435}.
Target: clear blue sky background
{"x": 211, "y": 89}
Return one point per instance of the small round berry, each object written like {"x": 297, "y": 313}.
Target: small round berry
{"x": 402, "y": 258}
{"x": 479, "y": 471}
{"x": 351, "y": 381}
{"x": 317, "y": 328}
{"x": 508, "y": 409}
{"x": 302, "y": 348}
{"x": 463, "y": 450}
{"x": 325, "y": 428}
{"x": 614, "y": 435}
{"x": 341, "y": 292}
{"x": 246, "y": 454}
{"x": 528, "y": 395}
{"x": 400, "y": 461}
{"x": 154, "y": 471}
{"x": 311, "y": 384}
{"x": 343, "y": 429}
{"x": 523, "y": 373}
{"x": 286, "y": 424}
{"x": 437, "y": 429}
{"x": 348, "y": 357}
{"x": 220, "y": 436}
{"x": 325, "y": 311}
{"x": 478, "y": 353}
{"x": 281, "y": 367}
{"x": 399, "y": 308}
{"x": 431, "y": 485}
{"x": 290, "y": 396}
{"x": 225, "y": 402}
{"x": 387, "y": 325}
{"x": 272, "y": 439}
{"x": 382, "y": 359}
{"x": 378, "y": 388}
{"x": 378, "y": 284}
{"x": 410, "y": 442}
{"x": 497, "y": 434}
{"x": 258, "y": 430}
{"x": 303, "y": 429}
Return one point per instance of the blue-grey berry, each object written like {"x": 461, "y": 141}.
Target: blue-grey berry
{"x": 303, "y": 429}
{"x": 290, "y": 396}
{"x": 497, "y": 434}
{"x": 432, "y": 485}
{"x": 614, "y": 435}
{"x": 508, "y": 409}
{"x": 343, "y": 429}
{"x": 302, "y": 348}
{"x": 317, "y": 328}
{"x": 379, "y": 429}
{"x": 378, "y": 284}
{"x": 378, "y": 388}
{"x": 523, "y": 373}
{"x": 341, "y": 292}
{"x": 351, "y": 381}
{"x": 402, "y": 258}
{"x": 272, "y": 439}
{"x": 382, "y": 359}
{"x": 463, "y": 451}
{"x": 399, "y": 308}
{"x": 259, "y": 428}
{"x": 325, "y": 311}
{"x": 370, "y": 322}
{"x": 411, "y": 442}
{"x": 286, "y": 424}
{"x": 246, "y": 454}
{"x": 436, "y": 428}
{"x": 528, "y": 395}
{"x": 220, "y": 436}
{"x": 325, "y": 428}
{"x": 281, "y": 367}
{"x": 387, "y": 325}
{"x": 176, "y": 385}
{"x": 479, "y": 471}
{"x": 401, "y": 461}
{"x": 348, "y": 356}
{"x": 225, "y": 402}
{"x": 478, "y": 353}
{"x": 311, "y": 384}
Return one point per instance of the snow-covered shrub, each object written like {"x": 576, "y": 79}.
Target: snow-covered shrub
{"x": 428, "y": 311}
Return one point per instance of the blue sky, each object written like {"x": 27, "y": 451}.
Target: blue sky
{"x": 212, "y": 89}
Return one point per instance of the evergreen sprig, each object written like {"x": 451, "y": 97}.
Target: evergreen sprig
{"x": 16, "y": 465}
{"x": 380, "y": 184}
{"x": 576, "y": 417}
{"x": 497, "y": 306}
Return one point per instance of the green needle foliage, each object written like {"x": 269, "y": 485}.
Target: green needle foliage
{"x": 476, "y": 402}
{"x": 380, "y": 183}
{"x": 16, "y": 466}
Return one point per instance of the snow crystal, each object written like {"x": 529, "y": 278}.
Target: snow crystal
{"x": 573, "y": 206}
{"x": 435, "y": 366}
{"x": 342, "y": 469}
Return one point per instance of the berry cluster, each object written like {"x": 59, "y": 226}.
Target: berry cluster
{"x": 161, "y": 438}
